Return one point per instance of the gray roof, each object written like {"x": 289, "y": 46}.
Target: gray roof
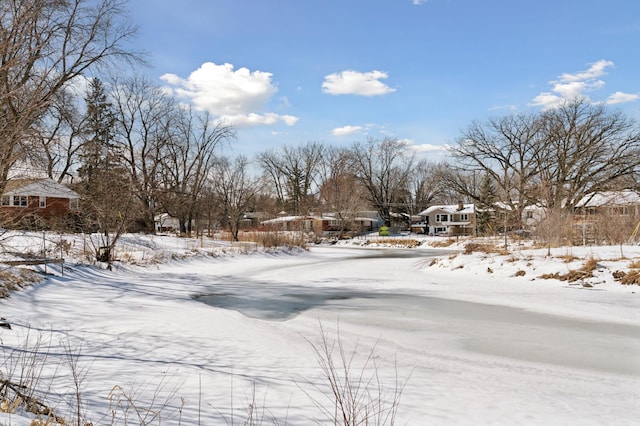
{"x": 39, "y": 188}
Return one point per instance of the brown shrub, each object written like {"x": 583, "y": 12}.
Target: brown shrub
{"x": 408, "y": 243}
{"x": 16, "y": 279}
{"x": 628, "y": 278}
{"x": 590, "y": 265}
{"x": 445, "y": 243}
{"x": 520, "y": 273}
{"x": 635, "y": 264}
{"x": 570, "y": 276}
{"x": 617, "y": 275}
{"x": 482, "y": 248}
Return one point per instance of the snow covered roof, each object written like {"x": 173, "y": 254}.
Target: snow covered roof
{"x": 39, "y": 188}
{"x": 449, "y": 208}
{"x": 283, "y": 219}
{"x": 609, "y": 198}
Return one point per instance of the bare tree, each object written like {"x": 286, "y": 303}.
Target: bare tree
{"x": 187, "y": 161}
{"x": 341, "y": 192}
{"x": 424, "y": 187}
{"x": 384, "y": 168}
{"x": 235, "y": 190}
{"x": 293, "y": 171}
{"x": 145, "y": 117}
{"x": 552, "y": 159}
{"x": 586, "y": 148}
{"x": 508, "y": 151}
{"x": 57, "y": 137}
{"x": 44, "y": 45}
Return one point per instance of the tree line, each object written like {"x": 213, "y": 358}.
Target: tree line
{"x": 132, "y": 151}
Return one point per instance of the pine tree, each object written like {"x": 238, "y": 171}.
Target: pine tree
{"x": 486, "y": 206}
{"x": 107, "y": 202}
{"x": 95, "y": 154}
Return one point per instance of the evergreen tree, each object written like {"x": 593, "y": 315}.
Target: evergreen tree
{"x": 95, "y": 154}
{"x": 486, "y": 206}
{"x": 107, "y": 202}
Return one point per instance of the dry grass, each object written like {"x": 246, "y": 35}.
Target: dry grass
{"x": 13, "y": 279}
{"x": 353, "y": 391}
{"x": 398, "y": 242}
{"x": 568, "y": 258}
{"x": 483, "y": 248}
{"x": 628, "y": 278}
{"x": 520, "y": 273}
{"x": 271, "y": 239}
{"x": 590, "y": 265}
{"x": 445, "y": 243}
{"x": 635, "y": 264}
{"x": 586, "y": 271}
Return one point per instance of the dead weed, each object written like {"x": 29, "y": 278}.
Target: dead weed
{"x": 483, "y": 248}
{"x": 586, "y": 271}
{"x": 628, "y": 278}
{"x": 445, "y": 243}
{"x": 15, "y": 279}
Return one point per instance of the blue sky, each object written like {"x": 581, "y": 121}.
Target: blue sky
{"x": 287, "y": 72}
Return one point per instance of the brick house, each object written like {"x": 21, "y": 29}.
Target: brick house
{"x": 40, "y": 203}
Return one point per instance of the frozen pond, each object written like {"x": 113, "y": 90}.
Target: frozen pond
{"x": 225, "y": 333}
{"x": 489, "y": 329}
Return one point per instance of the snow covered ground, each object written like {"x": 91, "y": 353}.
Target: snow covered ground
{"x": 200, "y": 330}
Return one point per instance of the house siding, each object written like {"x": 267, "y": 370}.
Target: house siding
{"x": 48, "y": 204}
{"x": 451, "y": 220}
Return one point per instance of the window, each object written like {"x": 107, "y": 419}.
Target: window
{"x": 464, "y": 217}
{"x": 6, "y": 200}
{"x": 442, "y": 218}
{"x": 621, "y": 211}
{"x": 73, "y": 204}
{"x": 20, "y": 200}
{"x": 43, "y": 202}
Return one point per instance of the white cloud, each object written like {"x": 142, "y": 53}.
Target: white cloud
{"x": 425, "y": 147}
{"x": 236, "y": 96}
{"x": 547, "y": 100}
{"x": 571, "y": 86}
{"x": 620, "y": 98}
{"x": 419, "y": 2}
{"x": 356, "y": 83}
{"x": 253, "y": 119}
{"x": 346, "y": 130}
{"x": 596, "y": 70}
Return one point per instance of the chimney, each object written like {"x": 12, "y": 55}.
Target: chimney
{"x": 460, "y": 205}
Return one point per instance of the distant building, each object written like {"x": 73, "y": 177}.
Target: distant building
{"x": 38, "y": 203}
{"x": 450, "y": 220}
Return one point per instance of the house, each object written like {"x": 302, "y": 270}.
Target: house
{"x": 533, "y": 215}
{"x": 364, "y": 221}
{"x": 164, "y": 222}
{"x": 451, "y": 220}
{"x": 40, "y": 203}
{"x": 292, "y": 223}
{"x": 612, "y": 216}
{"x": 617, "y": 203}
